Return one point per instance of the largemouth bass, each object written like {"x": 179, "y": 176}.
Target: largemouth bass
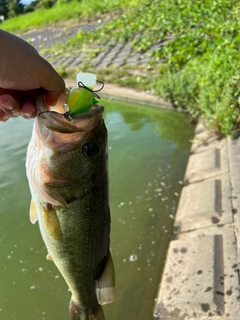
{"x": 67, "y": 173}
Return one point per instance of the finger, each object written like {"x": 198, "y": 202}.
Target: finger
{"x": 58, "y": 107}
{"x": 28, "y": 109}
{"x": 51, "y": 97}
{"x": 10, "y": 105}
{"x": 3, "y": 116}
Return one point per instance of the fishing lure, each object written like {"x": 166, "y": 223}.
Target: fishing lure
{"x": 81, "y": 98}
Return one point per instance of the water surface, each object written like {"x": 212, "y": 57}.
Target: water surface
{"x": 148, "y": 152}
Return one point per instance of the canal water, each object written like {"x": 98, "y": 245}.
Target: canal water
{"x": 148, "y": 153}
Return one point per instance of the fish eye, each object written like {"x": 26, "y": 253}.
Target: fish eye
{"x": 90, "y": 149}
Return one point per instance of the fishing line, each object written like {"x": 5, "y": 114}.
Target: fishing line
{"x": 81, "y": 84}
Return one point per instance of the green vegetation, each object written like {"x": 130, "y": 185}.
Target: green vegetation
{"x": 11, "y": 8}
{"x": 196, "y": 63}
{"x": 15, "y": 7}
{"x": 64, "y": 11}
{"x": 195, "y": 58}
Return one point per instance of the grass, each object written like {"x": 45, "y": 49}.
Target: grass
{"x": 195, "y": 63}
{"x": 73, "y": 10}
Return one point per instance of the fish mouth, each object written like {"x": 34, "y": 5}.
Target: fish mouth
{"x": 93, "y": 111}
{"x": 67, "y": 122}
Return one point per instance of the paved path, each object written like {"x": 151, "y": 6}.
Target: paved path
{"x": 117, "y": 54}
{"x": 201, "y": 276}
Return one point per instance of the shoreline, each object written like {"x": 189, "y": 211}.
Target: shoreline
{"x": 201, "y": 274}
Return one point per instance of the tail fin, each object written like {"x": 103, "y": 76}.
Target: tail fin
{"x": 76, "y": 313}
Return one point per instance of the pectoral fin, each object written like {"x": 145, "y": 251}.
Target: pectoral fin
{"x": 33, "y": 213}
{"x": 105, "y": 286}
{"x": 51, "y": 222}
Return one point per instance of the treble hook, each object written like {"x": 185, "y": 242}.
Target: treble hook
{"x": 81, "y": 84}
{"x": 65, "y": 115}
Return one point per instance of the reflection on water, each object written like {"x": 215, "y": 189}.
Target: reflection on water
{"x": 148, "y": 152}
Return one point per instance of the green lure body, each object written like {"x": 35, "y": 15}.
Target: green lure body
{"x": 80, "y": 100}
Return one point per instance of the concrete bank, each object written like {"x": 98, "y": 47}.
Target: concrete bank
{"x": 201, "y": 275}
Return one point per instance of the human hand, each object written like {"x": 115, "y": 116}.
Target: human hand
{"x": 22, "y": 73}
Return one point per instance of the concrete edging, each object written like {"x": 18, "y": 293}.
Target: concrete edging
{"x": 201, "y": 274}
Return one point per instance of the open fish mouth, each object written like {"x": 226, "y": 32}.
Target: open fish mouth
{"x": 91, "y": 113}
{"x": 67, "y": 122}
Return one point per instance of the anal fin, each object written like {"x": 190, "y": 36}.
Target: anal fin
{"x": 105, "y": 287}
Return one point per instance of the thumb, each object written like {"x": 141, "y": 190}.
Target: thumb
{"x": 52, "y": 83}
{"x": 51, "y": 97}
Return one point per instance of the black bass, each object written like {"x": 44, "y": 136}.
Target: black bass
{"x": 67, "y": 172}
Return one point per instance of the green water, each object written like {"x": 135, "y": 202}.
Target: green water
{"x": 148, "y": 153}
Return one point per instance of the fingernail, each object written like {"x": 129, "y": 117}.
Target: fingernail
{"x": 7, "y": 106}
{"x": 30, "y": 113}
{"x": 15, "y": 114}
{"x": 27, "y": 115}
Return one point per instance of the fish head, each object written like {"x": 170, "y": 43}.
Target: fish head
{"x": 66, "y": 159}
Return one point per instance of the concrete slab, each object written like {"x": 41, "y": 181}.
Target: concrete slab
{"x": 200, "y": 279}
{"x": 205, "y": 204}
{"x": 234, "y": 167}
{"x": 204, "y": 140}
{"x": 201, "y": 276}
{"x": 100, "y": 57}
{"x": 203, "y": 165}
{"x": 230, "y": 264}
